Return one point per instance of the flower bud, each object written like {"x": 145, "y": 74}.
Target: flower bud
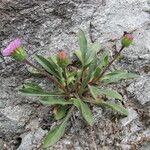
{"x": 15, "y": 50}
{"x": 127, "y": 40}
{"x": 62, "y": 59}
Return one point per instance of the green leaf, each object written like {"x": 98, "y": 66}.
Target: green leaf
{"x": 61, "y": 113}
{"x": 48, "y": 65}
{"x": 33, "y": 89}
{"x": 110, "y": 93}
{"x": 33, "y": 92}
{"x": 71, "y": 77}
{"x": 35, "y": 72}
{"x": 118, "y": 108}
{"x": 90, "y": 73}
{"x": 103, "y": 62}
{"x": 93, "y": 91}
{"x": 79, "y": 55}
{"x": 92, "y": 51}
{"x": 53, "y": 101}
{"x": 83, "y": 44}
{"x": 32, "y": 85}
{"x": 55, "y": 134}
{"x": 85, "y": 110}
{"x": 117, "y": 76}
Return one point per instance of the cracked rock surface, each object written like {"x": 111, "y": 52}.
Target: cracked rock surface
{"x": 46, "y": 26}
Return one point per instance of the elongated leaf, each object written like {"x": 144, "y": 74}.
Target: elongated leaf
{"x": 34, "y": 72}
{"x": 49, "y": 66}
{"x": 79, "y": 55}
{"x": 90, "y": 73}
{"x": 71, "y": 77}
{"x": 103, "y": 62}
{"x": 32, "y": 85}
{"x": 61, "y": 113}
{"x": 117, "y": 76}
{"x": 33, "y": 89}
{"x": 83, "y": 44}
{"x": 118, "y": 108}
{"x": 110, "y": 93}
{"x": 33, "y": 92}
{"x": 84, "y": 108}
{"x": 55, "y": 134}
{"x": 53, "y": 101}
{"x": 92, "y": 51}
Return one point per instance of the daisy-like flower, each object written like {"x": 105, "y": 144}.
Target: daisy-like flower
{"x": 11, "y": 48}
{"x": 15, "y": 50}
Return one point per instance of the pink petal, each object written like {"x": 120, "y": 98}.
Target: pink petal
{"x": 12, "y": 47}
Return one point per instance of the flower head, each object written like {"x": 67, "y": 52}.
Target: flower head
{"x": 62, "y": 59}
{"x": 15, "y": 50}
{"x": 62, "y": 55}
{"x": 127, "y": 39}
{"x": 11, "y": 48}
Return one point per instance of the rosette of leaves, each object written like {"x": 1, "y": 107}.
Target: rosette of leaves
{"x": 77, "y": 86}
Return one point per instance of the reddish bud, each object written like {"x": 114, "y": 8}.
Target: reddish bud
{"x": 127, "y": 39}
{"x": 62, "y": 55}
{"x": 62, "y": 59}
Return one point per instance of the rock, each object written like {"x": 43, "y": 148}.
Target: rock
{"x": 32, "y": 139}
{"x": 141, "y": 89}
{"x": 13, "y": 119}
{"x": 34, "y": 124}
{"x": 17, "y": 113}
{"x": 46, "y": 26}
{"x": 108, "y": 22}
{"x": 131, "y": 116}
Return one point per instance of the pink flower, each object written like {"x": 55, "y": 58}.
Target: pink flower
{"x": 129, "y": 36}
{"x": 62, "y": 59}
{"x": 11, "y": 48}
{"x": 62, "y": 55}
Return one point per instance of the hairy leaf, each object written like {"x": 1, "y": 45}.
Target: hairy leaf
{"x": 33, "y": 92}
{"x": 110, "y": 93}
{"x": 48, "y": 65}
{"x": 92, "y": 52}
{"x": 53, "y": 101}
{"x": 61, "y": 113}
{"x": 33, "y": 89}
{"x": 83, "y": 45}
{"x": 55, "y": 134}
{"x": 79, "y": 55}
{"x": 85, "y": 110}
{"x": 118, "y": 108}
{"x": 117, "y": 76}
{"x": 103, "y": 62}
{"x": 90, "y": 73}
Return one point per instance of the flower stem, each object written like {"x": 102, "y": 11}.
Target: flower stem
{"x": 107, "y": 67}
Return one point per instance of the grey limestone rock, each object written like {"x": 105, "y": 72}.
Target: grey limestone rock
{"x": 141, "y": 90}
{"x": 46, "y": 26}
